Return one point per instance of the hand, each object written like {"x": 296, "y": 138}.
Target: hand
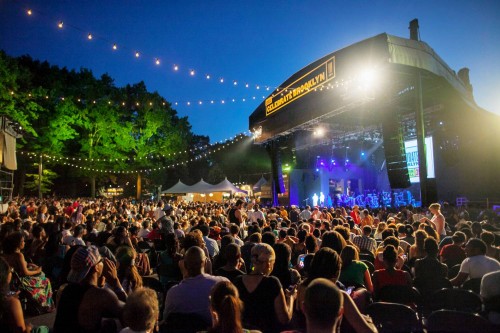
{"x": 110, "y": 272}
{"x": 29, "y": 327}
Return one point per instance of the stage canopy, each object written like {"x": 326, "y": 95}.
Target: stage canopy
{"x": 203, "y": 187}
{"x": 349, "y": 90}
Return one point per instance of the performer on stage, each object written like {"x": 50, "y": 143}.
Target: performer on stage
{"x": 321, "y": 199}
{"x": 315, "y": 200}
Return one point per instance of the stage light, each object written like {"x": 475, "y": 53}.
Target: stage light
{"x": 367, "y": 77}
{"x": 319, "y": 132}
{"x": 362, "y": 153}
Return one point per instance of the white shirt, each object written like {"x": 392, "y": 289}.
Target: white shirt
{"x": 477, "y": 266}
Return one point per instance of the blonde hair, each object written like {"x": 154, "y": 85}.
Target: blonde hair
{"x": 141, "y": 311}
{"x": 262, "y": 249}
{"x": 435, "y": 206}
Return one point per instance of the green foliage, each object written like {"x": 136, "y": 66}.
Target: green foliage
{"x": 48, "y": 177}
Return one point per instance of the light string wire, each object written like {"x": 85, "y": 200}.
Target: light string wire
{"x": 138, "y": 54}
{"x": 69, "y": 160}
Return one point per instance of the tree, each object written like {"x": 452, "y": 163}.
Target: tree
{"x": 47, "y": 180}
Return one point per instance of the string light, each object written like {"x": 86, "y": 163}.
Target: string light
{"x": 67, "y": 160}
{"x": 191, "y": 72}
{"x": 114, "y": 47}
{"x": 157, "y": 61}
{"x": 208, "y": 76}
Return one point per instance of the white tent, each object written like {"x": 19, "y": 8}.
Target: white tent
{"x": 226, "y": 186}
{"x": 201, "y": 187}
{"x": 258, "y": 185}
{"x": 180, "y": 187}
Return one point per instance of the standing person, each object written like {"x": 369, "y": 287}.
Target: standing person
{"x": 235, "y": 216}
{"x": 306, "y": 213}
{"x": 355, "y": 215}
{"x": 266, "y": 306}
{"x": 437, "y": 221}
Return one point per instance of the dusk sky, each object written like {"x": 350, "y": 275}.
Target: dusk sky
{"x": 260, "y": 43}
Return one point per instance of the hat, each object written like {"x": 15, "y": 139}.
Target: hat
{"x": 82, "y": 261}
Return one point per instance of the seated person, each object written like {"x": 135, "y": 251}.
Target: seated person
{"x": 191, "y": 294}
{"x": 390, "y": 275}
{"x": 141, "y": 311}
{"x": 477, "y": 264}
{"x": 83, "y": 304}
{"x": 453, "y": 254}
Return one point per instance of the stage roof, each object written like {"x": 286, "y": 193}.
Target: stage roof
{"x": 350, "y": 89}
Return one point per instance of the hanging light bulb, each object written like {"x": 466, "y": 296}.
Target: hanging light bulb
{"x": 208, "y": 76}
{"x": 60, "y": 24}
{"x": 191, "y": 72}
{"x": 221, "y": 80}
{"x": 137, "y": 54}
{"x": 29, "y": 12}
{"x": 89, "y": 36}
{"x": 157, "y": 61}
{"x": 115, "y": 47}
{"x": 235, "y": 83}
{"x": 176, "y": 68}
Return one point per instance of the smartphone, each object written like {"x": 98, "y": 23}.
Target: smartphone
{"x": 301, "y": 261}
{"x": 349, "y": 290}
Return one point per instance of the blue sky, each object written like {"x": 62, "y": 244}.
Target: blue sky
{"x": 256, "y": 42}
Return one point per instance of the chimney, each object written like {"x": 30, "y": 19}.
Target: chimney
{"x": 414, "y": 34}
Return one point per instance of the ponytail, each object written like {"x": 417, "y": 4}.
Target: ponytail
{"x": 225, "y": 302}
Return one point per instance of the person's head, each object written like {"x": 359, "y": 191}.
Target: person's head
{"x": 420, "y": 236}
{"x": 263, "y": 258}
{"x": 192, "y": 239}
{"x": 85, "y": 262}
{"x": 488, "y": 237}
{"x": 475, "y": 247}
{"x": 458, "y": 238}
{"x": 13, "y": 242}
{"x": 323, "y": 305}
{"x": 141, "y": 311}
{"x": 326, "y": 264}
{"x": 435, "y": 208}
{"x": 269, "y": 238}
{"x": 348, "y": 255}
{"x": 431, "y": 247}
{"x": 390, "y": 256}
{"x": 476, "y": 228}
{"x": 367, "y": 230}
{"x": 194, "y": 261}
{"x": 234, "y": 229}
{"x": 381, "y": 227}
{"x": 38, "y": 232}
{"x": 232, "y": 253}
{"x": 391, "y": 240}
{"x": 226, "y": 307}
{"x": 334, "y": 240}
{"x": 239, "y": 203}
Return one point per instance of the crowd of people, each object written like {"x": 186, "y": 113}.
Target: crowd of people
{"x": 118, "y": 265}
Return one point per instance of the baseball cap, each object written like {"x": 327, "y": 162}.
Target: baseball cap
{"x": 82, "y": 261}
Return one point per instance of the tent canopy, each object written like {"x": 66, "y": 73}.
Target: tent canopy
{"x": 203, "y": 187}
{"x": 258, "y": 185}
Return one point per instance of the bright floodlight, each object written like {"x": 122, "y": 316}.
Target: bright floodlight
{"x": 319, "y": 132}
{"x": 367, "y": 77}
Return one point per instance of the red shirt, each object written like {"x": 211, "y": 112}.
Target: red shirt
{"x": 355, "y": 217}
{"x": 452, "y": 254}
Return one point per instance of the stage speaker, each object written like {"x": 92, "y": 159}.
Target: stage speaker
{"x": 432, "y": 193}
{"x": 395, "y": 156}
{"x": 274, "y": 152}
